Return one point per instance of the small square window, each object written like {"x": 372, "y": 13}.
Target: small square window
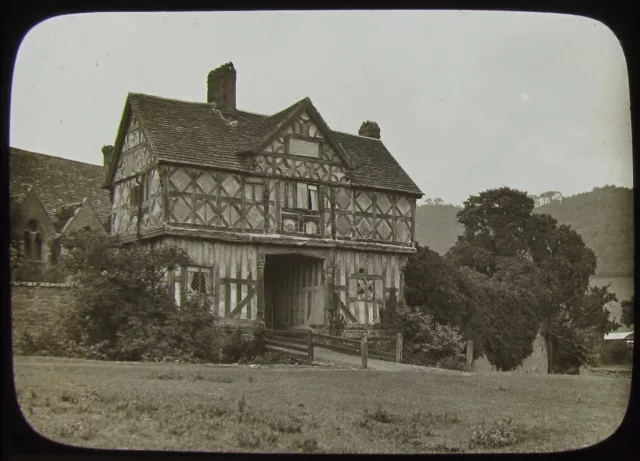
{"x": 199, "y": 281}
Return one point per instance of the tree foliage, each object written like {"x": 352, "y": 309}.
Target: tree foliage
{"x": 436, "y": 288}
{"x": 627, "y": 317}
{"x": 425, "y": 341}
{"x": 537, "y": 279}
{"x": 603, "y": 217}
{"x": 123, "y": 308}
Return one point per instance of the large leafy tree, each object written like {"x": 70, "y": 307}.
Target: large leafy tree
{"x": 431, "y": 281}
{"x": 535, "y": 268}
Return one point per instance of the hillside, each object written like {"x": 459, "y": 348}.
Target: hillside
{"x": 604, "y": 218}
{"x": 437, "y": 226}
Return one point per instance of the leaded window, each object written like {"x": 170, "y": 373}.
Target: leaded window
{"x": 364, "y": 290}
{"x": 199, "y": 281}
{"x": 301, "y": 196}
{"x": 193, "y": 282}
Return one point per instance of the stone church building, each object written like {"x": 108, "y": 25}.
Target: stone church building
{"x": 51, "y": 197}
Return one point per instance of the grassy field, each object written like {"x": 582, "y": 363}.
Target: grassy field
{"x": 311, "y": 409}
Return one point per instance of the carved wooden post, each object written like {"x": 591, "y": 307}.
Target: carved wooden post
{"x": 399, "y": 347}
{"x": 363, "y": 351}
{"x": 261, "y": 263}
{"x": 310, "y": 346}
{"x": 469, "y": 355}
{"x": 329, "y": 291}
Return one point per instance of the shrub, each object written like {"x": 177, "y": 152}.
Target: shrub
{"x": 616, "y": 353}
{"x": 425, "y": 342}
{"x": 124, "y": 310}
{"x": 499, "y": 434}
{"x": 242, "y": 347}
{"x": 428, "y": 343}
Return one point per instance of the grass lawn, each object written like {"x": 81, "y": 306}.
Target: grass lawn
{"x": 310, "y": 409}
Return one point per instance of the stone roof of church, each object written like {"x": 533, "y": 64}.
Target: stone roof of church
{"x": 59, "y": 183}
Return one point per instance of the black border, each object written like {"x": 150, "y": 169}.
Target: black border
{"x": 19, "y": 441}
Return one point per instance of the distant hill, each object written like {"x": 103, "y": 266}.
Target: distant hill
{"x": 604, "y": 218}
{"x": 437, "y": 226}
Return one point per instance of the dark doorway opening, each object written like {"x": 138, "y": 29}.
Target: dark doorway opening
{"x": 293, "y": 291}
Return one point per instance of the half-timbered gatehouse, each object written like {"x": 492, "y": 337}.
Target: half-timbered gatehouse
{"x": 286, "y": 220}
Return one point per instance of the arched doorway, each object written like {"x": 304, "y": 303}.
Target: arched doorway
{"x": 294, "y": 291}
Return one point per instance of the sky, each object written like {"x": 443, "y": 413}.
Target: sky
{"x": 466, "y": 101}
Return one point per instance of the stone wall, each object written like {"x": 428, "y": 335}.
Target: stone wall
{"x": 536, "y": 363}
{"x": 35, "y": 303}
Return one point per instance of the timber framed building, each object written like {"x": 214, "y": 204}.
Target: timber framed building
{"x": 286, "y": 220}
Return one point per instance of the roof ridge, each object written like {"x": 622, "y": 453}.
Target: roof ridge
{"x": 357, "y": 135}
{"x": 184, "y": 101}
{"x": 289, "y": 107}
{"x": 147, "y": 95}
{"x": 18, "y": 149}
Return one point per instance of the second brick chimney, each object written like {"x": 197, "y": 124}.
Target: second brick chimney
{"x": 221, "y": 87}
{"x": 369, "y": 129}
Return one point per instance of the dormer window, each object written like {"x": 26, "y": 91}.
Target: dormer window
{"x": 304, "y": 147}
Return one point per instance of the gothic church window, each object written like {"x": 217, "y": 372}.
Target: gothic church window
{"x": 32, "y": 240}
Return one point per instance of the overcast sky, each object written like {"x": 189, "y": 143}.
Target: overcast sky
{"x": 466, "y": 101}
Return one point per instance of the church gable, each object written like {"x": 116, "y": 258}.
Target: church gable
{"x": 135, "y": 156}
{"x": 31, "y": 209}
{"x": 84, "y": 216}
{"x": 301, "y": 150}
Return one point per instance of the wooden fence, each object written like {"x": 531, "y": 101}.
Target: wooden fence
{"x": 303, "y": 343}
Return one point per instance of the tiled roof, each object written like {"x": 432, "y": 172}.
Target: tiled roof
{"x": 58, "y": 182}
{"x": 374, "y": 164}
{"x": 196, "y": 133}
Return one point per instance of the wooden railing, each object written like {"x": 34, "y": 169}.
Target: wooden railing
{"x": 305, "y": 341}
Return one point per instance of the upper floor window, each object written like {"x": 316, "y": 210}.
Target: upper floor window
{"x": 304, "y": 147}
{"x": 140, "y": 191}
{"x": 301, "y": 196}
{"x": 146, "y": 187}
{"x": 135, "y": 197}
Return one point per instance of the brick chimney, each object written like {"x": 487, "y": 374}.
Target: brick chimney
{"x": 107, "y": 155}
{"x": 369, "y": 129}
{"x": 221, "y": 87}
